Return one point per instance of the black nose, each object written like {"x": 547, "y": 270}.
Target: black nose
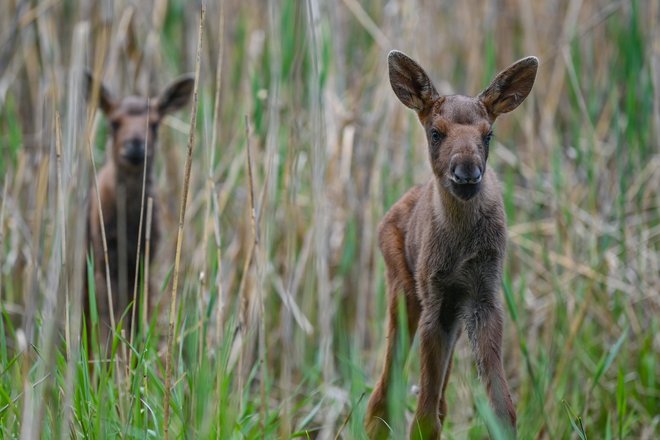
{"x": 133, "y": 151}
{"x": 466, "y": 173}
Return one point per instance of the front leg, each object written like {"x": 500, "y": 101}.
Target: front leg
{"x": 439, "y": 329}
{"x": 484, "y": 327}
{"x": 377, "y": 419}
{"x": 401, "y": 288}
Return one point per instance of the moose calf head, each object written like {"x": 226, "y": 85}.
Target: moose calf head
{"x": 459, "y": 128}
{"x": 134, "y": 120}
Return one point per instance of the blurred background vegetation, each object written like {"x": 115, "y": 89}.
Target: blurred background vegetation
{"x": 282, "y": 335}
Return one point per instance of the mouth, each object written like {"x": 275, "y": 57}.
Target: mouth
{"x": 134, "y": 159}
{"x": 465, "y": 191}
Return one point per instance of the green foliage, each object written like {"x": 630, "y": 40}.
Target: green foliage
{"x": 579, "y": 182}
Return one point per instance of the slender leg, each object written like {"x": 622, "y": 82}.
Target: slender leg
{"x": 376, "y": 418}
{"x": 442, "y": 405}
{"x": 103, "y": 311}
{"x": 107, "y": 332}
{"x": 400, "y": 282}
{"x": 484, "y": 327}
{"x": 436, "y": 347}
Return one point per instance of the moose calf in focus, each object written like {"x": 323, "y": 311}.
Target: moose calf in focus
{"x": 134, "y": 123}
{"x": 443, "y": 244}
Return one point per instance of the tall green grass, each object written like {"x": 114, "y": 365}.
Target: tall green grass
{"x": 331, "y": 150}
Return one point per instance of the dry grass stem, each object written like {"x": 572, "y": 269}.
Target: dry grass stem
{"x": 179, "y": 237}
{"x": 273, "y": 305}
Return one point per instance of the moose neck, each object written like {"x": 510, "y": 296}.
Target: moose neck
{"x": 455, "y": 213}
{"x": 133, "y": 178}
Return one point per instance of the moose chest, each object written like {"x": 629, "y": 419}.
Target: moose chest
{"x": 123, "y": 234}
{"x": 468, "y": 260}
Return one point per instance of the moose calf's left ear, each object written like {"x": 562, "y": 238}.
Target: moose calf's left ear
{"x": 176, "y": 95}
{"x": 510, "y": 87}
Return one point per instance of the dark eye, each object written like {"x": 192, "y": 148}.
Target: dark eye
{"x": 114, "y": 125}
{"x": 487, "y": 138}
{"x": 153, "y": 126}
{"x": 436, "y": 136}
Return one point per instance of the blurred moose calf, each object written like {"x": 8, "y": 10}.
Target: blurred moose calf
{"x": 134, "y": 123}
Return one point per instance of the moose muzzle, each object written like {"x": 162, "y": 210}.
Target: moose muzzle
{"x": 133, "y": 150}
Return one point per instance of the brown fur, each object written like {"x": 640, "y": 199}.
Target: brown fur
{"x": 444, "y": 242}
{"x": 134, "y": 128}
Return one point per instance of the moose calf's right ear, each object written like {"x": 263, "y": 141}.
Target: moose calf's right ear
{"x": 106, "y": 100}
{"x": 410, "y": 82}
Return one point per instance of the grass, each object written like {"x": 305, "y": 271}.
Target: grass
{"x": 278, "y": 325}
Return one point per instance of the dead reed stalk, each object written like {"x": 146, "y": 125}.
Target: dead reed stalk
{"x": 179, "y": 237}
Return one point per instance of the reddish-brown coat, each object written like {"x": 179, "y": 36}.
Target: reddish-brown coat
{"x": 443, "y": 244}
{"x": 134, "y": 123}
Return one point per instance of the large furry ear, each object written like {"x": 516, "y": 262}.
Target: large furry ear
{"x": 510, "y": 87}
{"x": 410, "y": 82}
{"x": 106, "y": 100}
{"x": 176, "y": 95}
